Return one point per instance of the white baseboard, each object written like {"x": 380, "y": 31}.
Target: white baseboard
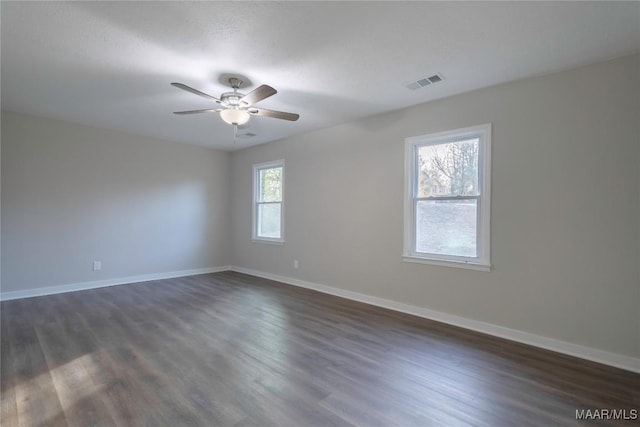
{"x": 612, "y": 359}
{"x": 59, "y": 289}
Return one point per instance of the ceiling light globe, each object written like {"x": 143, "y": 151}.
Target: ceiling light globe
{"x": 234, "y": 116}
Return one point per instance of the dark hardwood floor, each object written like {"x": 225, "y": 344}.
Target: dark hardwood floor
{"x": 228, "y": 349}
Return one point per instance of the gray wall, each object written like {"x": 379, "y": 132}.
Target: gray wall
{"x": 73, "y": 194}
{"x": 565, "y": 207}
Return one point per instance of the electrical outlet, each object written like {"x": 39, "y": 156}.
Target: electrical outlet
{"x": 295, "y": 264}
{"x": 97, "y": 265}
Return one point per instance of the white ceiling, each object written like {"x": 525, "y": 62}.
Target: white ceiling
{"x": 109, "y": 64}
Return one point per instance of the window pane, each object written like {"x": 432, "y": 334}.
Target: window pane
{"x": 446, "y": 227}
{"x": 270, "y": 185}
{"x": 449, "y": 169}
{"x": 269, "y": 220}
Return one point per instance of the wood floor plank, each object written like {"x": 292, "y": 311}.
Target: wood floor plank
{"x": 9, "y": 408}
{"x": 67, "y": 348}
{"x": 227, "y": 349}
{"x": 37, "y": 402}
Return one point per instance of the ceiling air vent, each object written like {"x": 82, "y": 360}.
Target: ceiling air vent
{"x": 424, "y": 81}
{"x": 247, "y": 135}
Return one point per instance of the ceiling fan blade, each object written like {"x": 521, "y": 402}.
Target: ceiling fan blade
{"x": 275, "y": 114}
{"x": 258, "y": 94}
{"x": 210, "y": 110}
{"x": 194, "y": 91}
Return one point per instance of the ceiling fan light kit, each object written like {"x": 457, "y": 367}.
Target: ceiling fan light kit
{"x": 235, "y": 116}
{"x": 236, "y": 106}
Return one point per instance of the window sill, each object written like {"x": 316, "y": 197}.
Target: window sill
{"x": 447, "y": 263}
{"x": 268, "y": 241}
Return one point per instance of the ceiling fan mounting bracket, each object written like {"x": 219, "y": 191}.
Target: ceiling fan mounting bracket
{"x": 235, "y": 82}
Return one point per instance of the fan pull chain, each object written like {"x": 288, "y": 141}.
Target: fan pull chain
{"x": 235, "y": 133}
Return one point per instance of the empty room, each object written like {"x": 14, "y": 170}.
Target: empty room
{"x": 304, "y": 213}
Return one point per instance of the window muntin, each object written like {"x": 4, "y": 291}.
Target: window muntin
{"x": 447, "y": 197}
{"x": 268, "y": 201}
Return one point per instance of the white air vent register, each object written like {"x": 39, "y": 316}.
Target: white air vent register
{"x": 424, "y": 81}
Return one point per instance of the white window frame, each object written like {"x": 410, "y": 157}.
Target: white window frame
{"x": 482, "y": 261}
{"x": 256, "y": 192}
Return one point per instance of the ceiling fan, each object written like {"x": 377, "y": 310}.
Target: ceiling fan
{"x": 238, "y": 107}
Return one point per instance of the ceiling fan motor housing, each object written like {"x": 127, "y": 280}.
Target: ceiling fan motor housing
{"x": 232, "y": 99}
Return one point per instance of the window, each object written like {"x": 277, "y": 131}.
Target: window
{"x": 268, "y": 192}
{"x": 447, "y": 198}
